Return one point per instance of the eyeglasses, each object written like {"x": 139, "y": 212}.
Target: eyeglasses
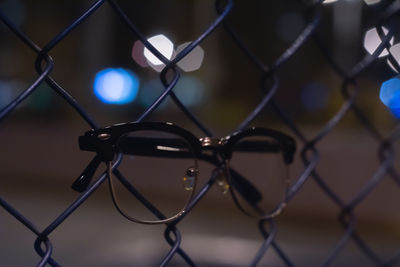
{"x": 157, "y": 176}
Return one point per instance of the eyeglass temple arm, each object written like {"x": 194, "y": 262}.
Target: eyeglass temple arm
{"x": 171, "y": 147}
{"x": 155, "y": 147}
{"x": 82, "y": 182}
{"x": 267, "y": 147}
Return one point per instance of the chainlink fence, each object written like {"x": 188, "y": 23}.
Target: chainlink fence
{"x": 315, "y": 170}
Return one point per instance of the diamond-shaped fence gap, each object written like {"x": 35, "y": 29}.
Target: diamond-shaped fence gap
{"x": 19, "y": 54}
{"x": 221, "y": 256}
{"x": 17, "y": 77}
{"x": 62, "y": 16}
{"x": 20, "y": 242}
{"x": 243, "y": 247}
{"x": 221, "y": 54}
{"x": 99, "y": 35}
{"x": 310, "y": 229}
{"x": 373, "y": 217}
{"x": 286, "y": 15}
{"x": 40, "y": 150}
{"x": 253, "y": 84}
{"x": 353, "y": 256}
{"x": 373, "y": 109}
{"x": 191, "y": 90}
{"x": 79, "y": 44}
{"x": 314, "y": 93}
{"x": 96, "y": 237}
{"x": 384, "y": 118}
{"x": 139, "y": 15}
{"x": 353, "y": 173}
{"x": 143, "y": 35}
{"x": 323, "y": 220}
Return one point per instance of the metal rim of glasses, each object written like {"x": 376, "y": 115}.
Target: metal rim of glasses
{"x": 268, "y": 214}
{"x": 130, "y": 218}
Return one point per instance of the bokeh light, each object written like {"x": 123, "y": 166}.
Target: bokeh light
{"x": 391, "y": 65}
{"x": 395, "y": 112}
{"x": 138, "y": 54}
{"x": 314, "y": 96}
{"x": 372, "y": 41}
{"x": 368, "y": 2}
{"x": 289, "y": 26}
{"x": 41, "y": 98}
{"x": 191, "y": 61}
{"x": 371, "y": 2}
{"x": 329, "y": 1}
{"x": 395, "y": 52}
{"x": 390, "y": 95}
{"x": 389, "y": 91}
{"x": 189, "y": 89}
{"x": 163, "y": 45}
{"x": 6, "y": 93}
{"x": 149, "y": 92}
{"x": 10, "y": 89}
{"x": 116, "y": 86}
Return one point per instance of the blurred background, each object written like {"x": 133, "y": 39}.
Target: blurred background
{"x": 39, "y": 139}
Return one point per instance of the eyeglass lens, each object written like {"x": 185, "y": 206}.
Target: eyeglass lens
{"x": 264, "y": 169}
{"x": 162, "y": 167}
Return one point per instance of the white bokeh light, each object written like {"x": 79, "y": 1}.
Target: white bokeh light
{"x": 116, "y": 82}
{"x": 372, "y": 2}
{"x": 395, "y": 52}
{"x": 163, "y": 45}
{"x": 191, "y": 61}
{"x": 368, "y": 2}
{"x": 391, "y": 66}
{"x": 329, "y": 1}
{"x": 138, "y": 54}
{"x": 372, "y": 41}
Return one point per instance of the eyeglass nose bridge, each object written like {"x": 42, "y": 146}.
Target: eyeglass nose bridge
{"x": 221, "y": 178}
{"x": 211, "y": 142}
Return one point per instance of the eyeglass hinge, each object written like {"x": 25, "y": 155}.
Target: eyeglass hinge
{"x": 210, "y": 141}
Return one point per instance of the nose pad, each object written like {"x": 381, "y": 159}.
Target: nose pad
{"x": 222, "y": 182}
{"x": 190, "y": 178}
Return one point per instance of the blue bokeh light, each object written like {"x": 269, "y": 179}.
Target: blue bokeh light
{"x": 6, "y": 94}
{"x": 116, "y": 86}
{"x": 190, "y": 90}
{"x": 395, "y": 112}
{"x": 314, "y": 96}
{"x": 390, "y": 95}
{"x": 149, "y": 92}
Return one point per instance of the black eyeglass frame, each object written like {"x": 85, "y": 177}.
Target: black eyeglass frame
{"x": 106, "y": 142}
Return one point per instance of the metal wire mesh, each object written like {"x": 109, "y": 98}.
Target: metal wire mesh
{"x": 386, "y": 15}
